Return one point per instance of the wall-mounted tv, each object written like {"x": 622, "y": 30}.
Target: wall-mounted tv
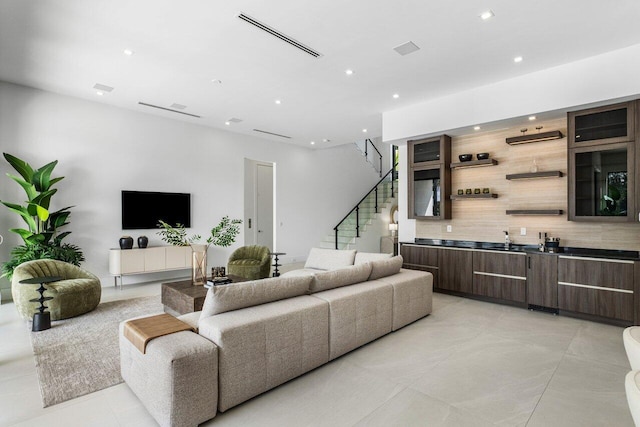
{"x": 143, "y": 209}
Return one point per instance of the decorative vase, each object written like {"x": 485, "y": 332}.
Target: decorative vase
{"x": 143, "y": 241}
{"x": 126, "y": 242}
{"x": 199, "y": 264}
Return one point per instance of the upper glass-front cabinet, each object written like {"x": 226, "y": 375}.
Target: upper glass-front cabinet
{"x": 429, "y": 178}
{"x": 609, "y": 124}
{"x": 602, "y": 189}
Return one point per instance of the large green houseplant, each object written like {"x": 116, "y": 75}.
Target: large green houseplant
{"x": 41, "y": 237}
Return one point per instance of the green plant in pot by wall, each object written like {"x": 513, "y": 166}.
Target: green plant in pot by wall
{"x": 41, "y": 237}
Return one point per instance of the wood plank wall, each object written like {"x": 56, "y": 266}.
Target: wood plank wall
{"x": 484, "y": 220}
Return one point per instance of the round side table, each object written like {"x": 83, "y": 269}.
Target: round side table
{"x": 276, "y": 273}
{"x": 41, "y": 320}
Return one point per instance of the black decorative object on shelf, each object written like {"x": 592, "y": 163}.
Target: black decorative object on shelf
{"x": 143, "y": 242}
{"x": 465, "y": 157}
{"x": 126, "y": 242}
{"x": 482, "y": 156}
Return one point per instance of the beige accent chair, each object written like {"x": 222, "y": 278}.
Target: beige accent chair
{"x": 77, "y": 293}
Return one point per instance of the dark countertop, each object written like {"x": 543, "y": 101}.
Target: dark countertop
{"x": 567, "y": 251}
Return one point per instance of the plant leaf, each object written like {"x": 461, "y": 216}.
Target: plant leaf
{"x": 42, "y": 177}
{"x": 43, "y": 214}
{"x": 23, "y": 168}
{"x": 54, "y": 180}
{"x": 44, "y": 199}
{"x": 29, "y": 188}
{"x": 25, "y": 234}
{"x": 24, "y": 213}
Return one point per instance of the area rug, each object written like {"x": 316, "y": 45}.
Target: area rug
{"x": 80, "y": 355}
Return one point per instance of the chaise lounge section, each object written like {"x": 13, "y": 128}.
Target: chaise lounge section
{"x": 267, "y": 332}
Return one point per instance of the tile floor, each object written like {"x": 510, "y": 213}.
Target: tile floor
{"x": 470, "y": 363}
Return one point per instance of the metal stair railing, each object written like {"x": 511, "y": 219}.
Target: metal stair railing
{"x": 366, "y": 152}
{"x": 374, "y": 190}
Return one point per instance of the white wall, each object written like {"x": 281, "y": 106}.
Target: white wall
{"x": 103, "y": 150}
{"x": 608, "y": 76}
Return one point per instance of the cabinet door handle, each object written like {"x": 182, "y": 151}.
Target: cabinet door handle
{"x": 529, "y": 258}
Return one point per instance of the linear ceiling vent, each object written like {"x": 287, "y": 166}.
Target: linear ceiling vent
{"x": 406, "y": 48}
{"x": 167, "y": 109}
{"x": 271, "y": 133}
{"x": 278, "y": 34}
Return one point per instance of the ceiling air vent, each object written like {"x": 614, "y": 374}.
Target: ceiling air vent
{"x": 102, "y": 88}
{"x": 278, "y": 34}
{"x": 406, "y": 48}
{"x": 271, "y": 133}
{"x": 167, "y": 109}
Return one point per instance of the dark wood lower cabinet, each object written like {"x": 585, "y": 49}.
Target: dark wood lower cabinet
{"x": 456, "y": 270}
{"x": 596, "y": 287}
{"x": 500, "y": 275}
{"x": 542, "y": 280}
{"x": 422, "y": 258}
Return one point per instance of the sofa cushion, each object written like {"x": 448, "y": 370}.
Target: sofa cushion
{"x": 263, "y": 346}
{"x": 329, "y": 259}
{"x": 412, "y": 295}
{"x": 220, "y": 299}
{"x": 358, "y": 314}
{"x": 301, "y": 272}
{"x": 385, "y": 267}
{"x": 341, "y": 277}
{"x": 362, "y": 257}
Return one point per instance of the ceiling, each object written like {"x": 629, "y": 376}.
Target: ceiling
{"x": 180, "y": 48}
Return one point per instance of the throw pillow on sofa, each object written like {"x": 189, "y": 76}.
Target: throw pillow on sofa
{"x": 329, "y": 259}
{"x": 341, "y": 277}
{"x": 385, "y": 267}
{"x": 362, "y": 257}
{"x": 230, "y": 297}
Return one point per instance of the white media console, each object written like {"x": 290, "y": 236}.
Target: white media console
{"x": 154, "y": 259}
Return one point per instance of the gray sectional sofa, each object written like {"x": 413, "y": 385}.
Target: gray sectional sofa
{"x": 254, "y": 336}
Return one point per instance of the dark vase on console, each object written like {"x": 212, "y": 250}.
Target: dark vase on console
{"x": 143, "y": 241}
{"x": 126, "y": 242}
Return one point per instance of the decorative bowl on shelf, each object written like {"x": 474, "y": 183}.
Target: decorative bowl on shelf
{"x": 482, "y": 156}
{"x": 465, "y": 157}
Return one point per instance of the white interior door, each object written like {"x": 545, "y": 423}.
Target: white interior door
{"x": 264, "y": 205}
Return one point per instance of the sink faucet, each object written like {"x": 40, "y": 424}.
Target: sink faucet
{"x": 507, "y": 240}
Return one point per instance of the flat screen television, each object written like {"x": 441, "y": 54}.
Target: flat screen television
{"x": 143, "y": 209}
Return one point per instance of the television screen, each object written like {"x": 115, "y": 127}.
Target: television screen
{"x": 143, "y": 209}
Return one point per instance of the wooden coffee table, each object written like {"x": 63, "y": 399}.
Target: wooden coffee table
{"x": 183, "y": 297}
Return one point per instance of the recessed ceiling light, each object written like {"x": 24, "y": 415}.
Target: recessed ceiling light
{"x": 128, "y": 52}
{"x": 396, "y": 96}
{"x": 326, "y": 140}
{"x": 348, "y": 72}
{"x": 531, "y": 118}
{"x": 476, "y": 128}
{"x": 364, "y": 131}
{"x": 99, "y": 93}
{"x": 216, "y": 81}
{"x": 518, "y": 59}
{"x": 486, "y": 15}
{"x": 278, "y": 102}
{"x": 228, "y": 123}
{"x": 312, "y": 143}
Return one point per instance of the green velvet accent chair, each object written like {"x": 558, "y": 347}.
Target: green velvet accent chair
{"x": 77, "y": 293}
{"x": 250, "y": 262}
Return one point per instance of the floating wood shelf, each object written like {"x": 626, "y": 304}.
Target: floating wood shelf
{"x": 473, "y": 196}
{"x": 534, "y": 137}
{"x": 474, "y": 163}
{"x": 535, "y": 175}
{"x": 534, "y": 212}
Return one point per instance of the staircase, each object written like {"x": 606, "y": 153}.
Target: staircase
{"x": 371, "y": 154}
{"x": 365, "y": 215}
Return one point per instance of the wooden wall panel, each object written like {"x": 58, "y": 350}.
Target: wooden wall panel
{"x": 484, "y": 220}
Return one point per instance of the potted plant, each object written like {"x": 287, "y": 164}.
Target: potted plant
{"x": 41, "y": 237}
{"x": 223, "y": 235}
